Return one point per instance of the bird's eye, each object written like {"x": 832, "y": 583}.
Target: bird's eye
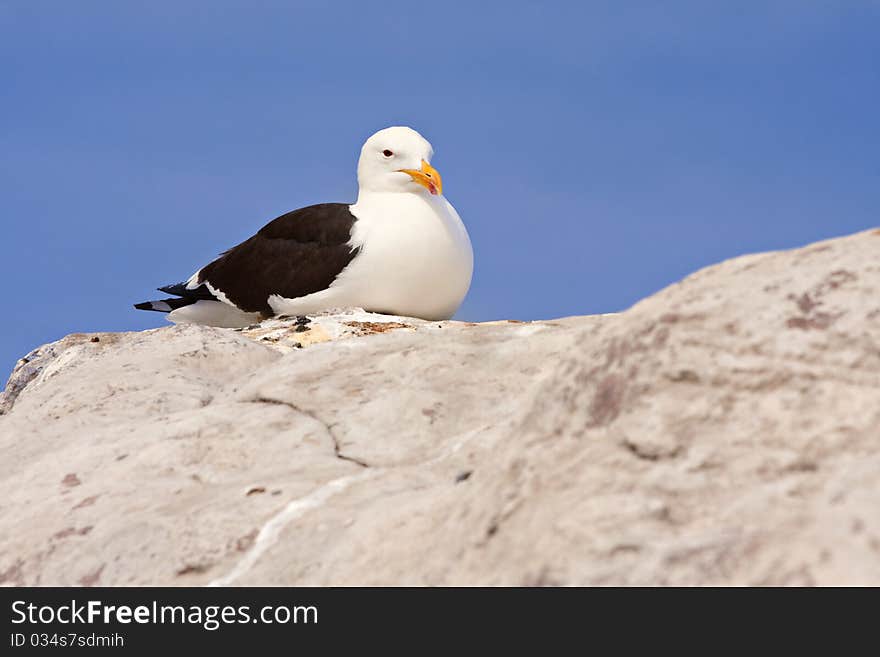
{"x": 387, "y": 153}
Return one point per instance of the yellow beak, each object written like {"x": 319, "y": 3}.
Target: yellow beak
{"x": 427, "y": 176}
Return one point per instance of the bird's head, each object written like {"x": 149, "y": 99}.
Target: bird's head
{"x": 397, "y": 159}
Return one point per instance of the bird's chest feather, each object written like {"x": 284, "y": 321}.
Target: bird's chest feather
{"x": 412, "y": 245}
{"x": 412, "y": 238}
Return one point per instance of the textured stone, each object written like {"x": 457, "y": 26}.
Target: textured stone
{"x": 723, "y": 431}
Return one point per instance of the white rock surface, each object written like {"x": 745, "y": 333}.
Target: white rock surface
{"x": 724, "y": 431}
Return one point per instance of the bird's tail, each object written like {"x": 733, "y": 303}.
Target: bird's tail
{"x": 186, "y": 296}
{"x": 164, "y": 305}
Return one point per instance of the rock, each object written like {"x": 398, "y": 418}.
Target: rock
{"x": 723, "y": 431}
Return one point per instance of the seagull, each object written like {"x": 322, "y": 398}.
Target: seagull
{"x": 401, "y": 249}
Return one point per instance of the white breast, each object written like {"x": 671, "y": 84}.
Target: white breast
{"x": 415, "y": 259}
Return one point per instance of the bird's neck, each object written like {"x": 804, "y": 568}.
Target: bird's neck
{"x": 368, "y": 199}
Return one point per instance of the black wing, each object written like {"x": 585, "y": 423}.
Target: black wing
{"x": 298, "y": 253}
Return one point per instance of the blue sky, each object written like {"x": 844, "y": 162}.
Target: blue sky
{"x": 597, "y": 151}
